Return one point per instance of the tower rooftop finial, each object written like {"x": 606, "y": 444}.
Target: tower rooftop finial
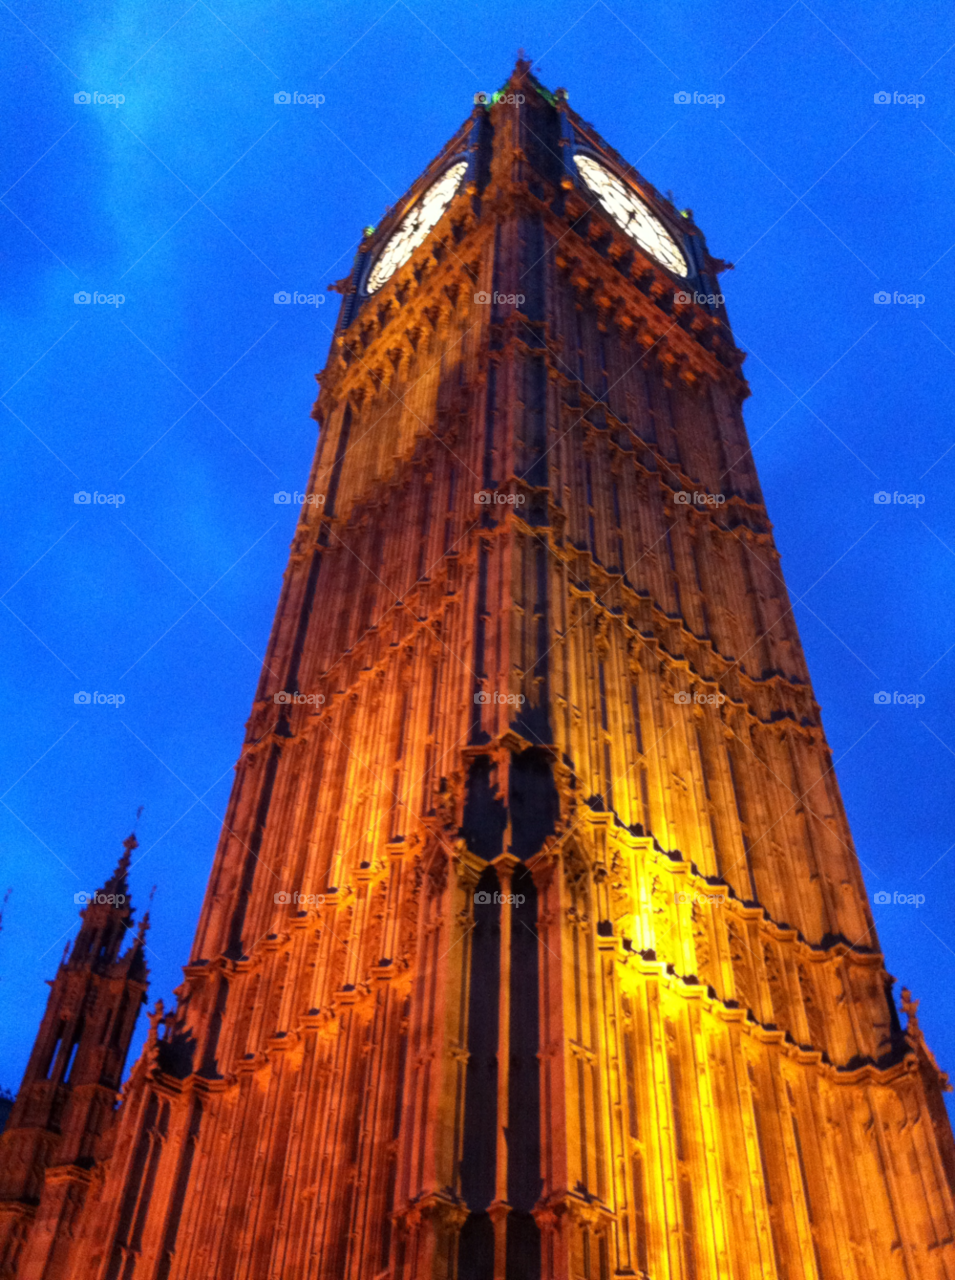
{"x": 145, "y": 922}
{"x": 522, "y": 67}
{"x": 117, "y": 883}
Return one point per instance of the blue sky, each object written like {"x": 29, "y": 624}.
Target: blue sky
{"x": 198, "y": 198}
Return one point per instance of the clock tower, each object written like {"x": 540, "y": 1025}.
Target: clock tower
{"x": 536, "y": 946}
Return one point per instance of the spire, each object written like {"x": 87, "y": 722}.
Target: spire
{"x": 107, "y": 914}
{"x": 67, "y": 1100}
{"x": 117, "y": 881}
{"x": 135, "y": 957}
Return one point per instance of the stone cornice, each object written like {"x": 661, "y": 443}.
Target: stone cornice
{"x": 617, "y": 285}
{"x": 694, "y": 882}
{"x": 868, "y": 1072}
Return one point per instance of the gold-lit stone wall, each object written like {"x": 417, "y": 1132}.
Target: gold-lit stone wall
{"x": 534, "y": 642}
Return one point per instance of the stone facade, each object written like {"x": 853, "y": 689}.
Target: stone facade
{"x": 536, "y": 946}
{"x": 57, "y": 1138}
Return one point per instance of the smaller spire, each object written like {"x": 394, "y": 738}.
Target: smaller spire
{"x": 142, "y": 930}
{"x": 117, "y": 881}
{"x": 135, "y": 957}
{"x": 139, "y": 942}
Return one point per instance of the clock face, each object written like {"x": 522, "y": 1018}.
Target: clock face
{"x": 416, "y": 226}
{"x": 631, "y": 214}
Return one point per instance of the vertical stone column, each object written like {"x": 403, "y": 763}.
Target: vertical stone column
{"x": 499, "y": 1208}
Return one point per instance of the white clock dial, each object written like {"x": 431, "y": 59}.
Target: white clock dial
{"x": 631, "y": 214}
{"x": 416, "y": 226}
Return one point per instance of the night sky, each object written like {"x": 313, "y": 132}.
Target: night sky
{"x": 197, "y": 198}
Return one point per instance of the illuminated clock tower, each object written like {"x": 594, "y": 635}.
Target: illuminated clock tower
{"x": 536, "y": 946}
